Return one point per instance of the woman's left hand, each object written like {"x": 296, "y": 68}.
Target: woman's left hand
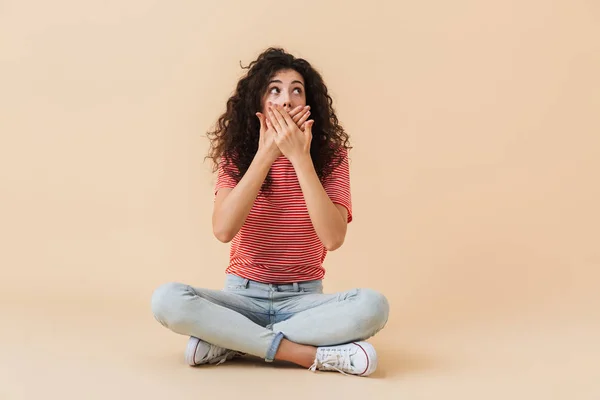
{"x": 293, "y": 143}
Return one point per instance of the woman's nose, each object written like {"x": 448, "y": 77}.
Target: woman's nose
{"x": 287, "y": 104}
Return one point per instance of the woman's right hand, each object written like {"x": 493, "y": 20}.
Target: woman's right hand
{"x": 266, "y": 141}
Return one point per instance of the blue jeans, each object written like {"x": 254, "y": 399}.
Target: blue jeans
{"x": 253, "y": 317}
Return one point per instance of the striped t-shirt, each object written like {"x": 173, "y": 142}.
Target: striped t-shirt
{"x": 278, "y": 243}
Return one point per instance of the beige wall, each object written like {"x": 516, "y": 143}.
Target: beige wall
{"x": 475, "y": 172}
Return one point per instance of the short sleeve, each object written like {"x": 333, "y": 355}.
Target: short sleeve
{"x": 224, "y": 176}
{"x": 337, "y": 184}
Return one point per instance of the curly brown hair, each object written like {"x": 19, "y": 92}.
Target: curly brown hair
{"x": 235, "y": 137}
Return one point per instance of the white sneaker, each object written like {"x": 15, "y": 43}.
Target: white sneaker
{"x": 200, "y": 352}
{"x": 358, "y": 358}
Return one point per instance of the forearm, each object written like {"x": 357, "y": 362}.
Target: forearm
{"x": 231, "y": 212}
{"x": 325, "y": 216}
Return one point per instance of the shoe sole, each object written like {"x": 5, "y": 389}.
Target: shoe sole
{"x": 371, "y": 354}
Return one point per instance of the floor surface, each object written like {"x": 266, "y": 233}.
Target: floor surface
{"x": 109, "y": 349}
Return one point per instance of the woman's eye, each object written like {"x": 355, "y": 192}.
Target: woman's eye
{"x": 298, "y": 90}
{"x": 274, "y": 90}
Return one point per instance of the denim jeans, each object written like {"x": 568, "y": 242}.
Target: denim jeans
{"x": 253, "y": 317}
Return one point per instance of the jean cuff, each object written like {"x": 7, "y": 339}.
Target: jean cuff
{"x": 274, "y": 346}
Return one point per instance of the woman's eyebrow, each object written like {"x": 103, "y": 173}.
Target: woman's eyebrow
{"x": 278, "y": 81}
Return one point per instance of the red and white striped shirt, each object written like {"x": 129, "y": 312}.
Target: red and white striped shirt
{"x": 278, "y": 243}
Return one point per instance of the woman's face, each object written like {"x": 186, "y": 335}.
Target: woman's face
{"x": 286, "y": 88}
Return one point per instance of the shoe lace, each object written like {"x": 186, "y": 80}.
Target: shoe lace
{"x": 339, "y": 360}
{"x": 219, "y": 355}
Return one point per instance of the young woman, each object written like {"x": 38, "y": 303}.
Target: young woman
{"x": 282, "y": 198}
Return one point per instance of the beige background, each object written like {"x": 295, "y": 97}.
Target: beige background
{"x": 475, "y": 179}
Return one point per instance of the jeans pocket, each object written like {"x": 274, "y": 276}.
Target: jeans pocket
{"x": 234, "y": 282}
{"x": 311, "y": 287}
{"x": 235, "y": 287}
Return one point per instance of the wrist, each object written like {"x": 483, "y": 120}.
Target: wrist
{"x": 302, "y": 161}
{"x": 264, "y": 158}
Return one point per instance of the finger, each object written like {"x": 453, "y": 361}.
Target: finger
{"x": 268, "y": 121}
{"x": 274, "y": 120}
{"x": 296, "y": 111}
{"x": 299, "y": 115}
{"x": 261, "y": 118}
{"x": 287, "y": 119}
{"x": 278, "y": 115}
{"x": 308, "y": 127}
{"x": 303, "y": 119}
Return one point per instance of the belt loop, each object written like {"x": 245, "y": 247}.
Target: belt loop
{"x": 246, "y": 283}
{"x": 296, "y": 287}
